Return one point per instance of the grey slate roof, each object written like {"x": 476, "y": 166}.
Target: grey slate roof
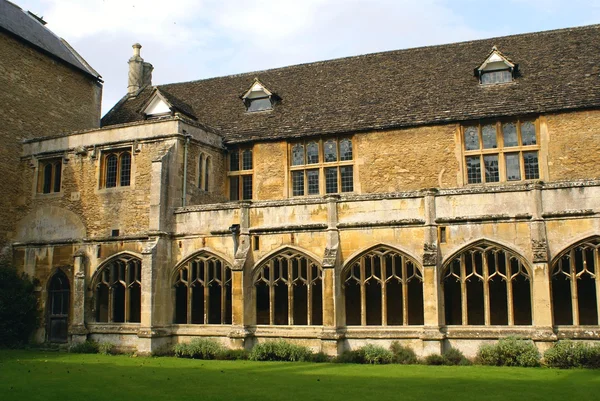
{"x": 21, "y": 24}
{"x": 558, "y": 70}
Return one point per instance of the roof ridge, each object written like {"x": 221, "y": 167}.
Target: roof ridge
{"x": 385, "y": 52}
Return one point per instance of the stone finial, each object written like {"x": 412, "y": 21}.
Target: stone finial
{"x": 140, "y": 72}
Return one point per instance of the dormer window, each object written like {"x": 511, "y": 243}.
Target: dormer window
{"x": 258, "y": 98}
{"x": 496, "y": 69}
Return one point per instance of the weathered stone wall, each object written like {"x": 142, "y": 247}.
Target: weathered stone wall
{"x": 40, "y": 96}
{"x": 408, "y": 159}
{"x": 196, "y": 195}
{"x": 573, "y": 145}
{"x": 270, "y": 170}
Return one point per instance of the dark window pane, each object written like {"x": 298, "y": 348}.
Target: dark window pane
{"x": 530, "y": 162}
{"x": 331, "y": 151}
{"x": 297, "y": 183}
{"x": 247, "y": 187}
{"x": 312, "y": 176}
{"x": 347, "y": 177}
{"x": 234, "y": 185}
{"x": 488, "y": 135}
{"x": 247, "y": 160}
{"x": 513, "y": 169}
{"x": 57, "y": 175}
{"x": 331, "y": 185}
{"x": 345, "y": 149}
{"x": 234, "y": 160}
{"x": 491, "y": 168}
{"x": 206, "y": 173}
{"x": 125, "y": 169}
{"x": 47, "y": 178}
{"x": 509, "y": 132}
{"x": 111, "y": 171}
{"x": 528, "y": 133}
{"x": 471, "y": 138}
{"x": 297, "y": 155}
{"x": 200, "y": 172}
{"x": 312, "y": 153}
{"x": 263, "y": 103}
{"x": 473, "y": 170}
{"x": 496, "y": 77}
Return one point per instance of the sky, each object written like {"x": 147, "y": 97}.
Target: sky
{"x": 188, "y": 40}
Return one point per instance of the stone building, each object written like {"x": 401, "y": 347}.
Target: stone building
{"x": 46, "y": 89}
{"x": 439, "y": 196}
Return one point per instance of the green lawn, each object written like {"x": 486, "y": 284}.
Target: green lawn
{"x": 35, "y": 375}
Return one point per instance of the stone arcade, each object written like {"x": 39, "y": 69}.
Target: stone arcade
{"x": 439, "y": 196}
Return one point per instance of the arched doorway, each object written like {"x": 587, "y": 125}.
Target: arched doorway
{"x": 58, "y": 308}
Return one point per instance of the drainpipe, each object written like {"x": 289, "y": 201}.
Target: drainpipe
{"x": 185, "y": 158}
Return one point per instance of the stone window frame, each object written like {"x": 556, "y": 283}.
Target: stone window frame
{"x": 240, "y": 178}
{"x": 457, "y": 270}
{"x": 579, "y": 266}
{"x": 320, "y": 166}
{"x": 403, "y": 273}
{"x": 283, "y": 271}
{"x": 106, "y": 275}
{"x": 50, "y": 173}
{"x": 119, "y": 153}
{"x": 500, "y": 151}
{"x": 203, "y": 270}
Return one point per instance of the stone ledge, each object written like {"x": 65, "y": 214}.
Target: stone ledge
{"x": 388, "y": 223}
{"x": 569, "y": 213}
{"x": 288, "y": 228}
{"x": 482, "y": 218}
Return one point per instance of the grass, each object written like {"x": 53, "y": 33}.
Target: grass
{"x": 35, "y": 375}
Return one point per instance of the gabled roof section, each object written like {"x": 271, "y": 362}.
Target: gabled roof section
{"x": 256, "y": 90}
{"x": 494, "y": 59}
{"x": 560, "y": 70}
{"x": 31, "y": 29}
{"x": 161, "y": 103}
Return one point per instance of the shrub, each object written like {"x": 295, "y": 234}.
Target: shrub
{"x": 279, "y": 350}
{"x": 376, "y": 355}
{"x": 435, "y": 359}
{"x": 509, "y": 351}
{"x": 319, "y": 357}
{"x": 350, "y": 357}
{"x": 199, "y": 348}
{"x": 87, "y": 347}
{"x": 18, "y": 307}
{"x": 402, "y": 354}
{"x": 455, "y": 357}
{"x": 106, "y": 348}
{"x": 570, "y": 354}
{"x": 233, "y": 355}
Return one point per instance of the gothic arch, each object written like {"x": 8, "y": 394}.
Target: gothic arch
{"x": 117, "y": 286}
{"x": 575, "y": 279}
{"x": 356, "y": 254}
{"x": 288, "y": 288}
{"x": 383, "y": 285}
{"x": 486, "y": 283}
{"x": 202, "y": 289}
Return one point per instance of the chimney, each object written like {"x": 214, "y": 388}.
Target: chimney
{"x": 140, "y": 72}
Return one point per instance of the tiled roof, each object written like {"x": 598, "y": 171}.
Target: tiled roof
{"x": 558, "y": 70}
{"x": 23, "y": 25}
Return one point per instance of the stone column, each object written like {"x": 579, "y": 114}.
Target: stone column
{"x": 333, "y": 319}
{"x": 432, "y": 337}
{"x": 78, "y": 330}
{"x": 242, "y": 308}
{"x": 541, "y": 299}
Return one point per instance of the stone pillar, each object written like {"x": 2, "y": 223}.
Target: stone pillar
{"x": 78, "y": 330}
{"x": 432, "y": 337}
{"x": 333, "y": 312}
{"x": 541, "y": 299}
{"x": 242, "y": 303}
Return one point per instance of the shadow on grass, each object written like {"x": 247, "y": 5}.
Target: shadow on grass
{"x": 27, "y": 375}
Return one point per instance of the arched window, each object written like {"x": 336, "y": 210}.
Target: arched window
{"x": 289, "y": 290}
{"x": 116, "y": 168}
{"x": 203, "y": 291}
{"x": 487, "y": 285}
{"x": 118, "y": 290}
{"x": 576, "y": 284}
{"x": 383, "y": 287}
{"x": 58, "y": 307}
{"x": 206, "y": 172}
{"x": 200, "y": 174}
